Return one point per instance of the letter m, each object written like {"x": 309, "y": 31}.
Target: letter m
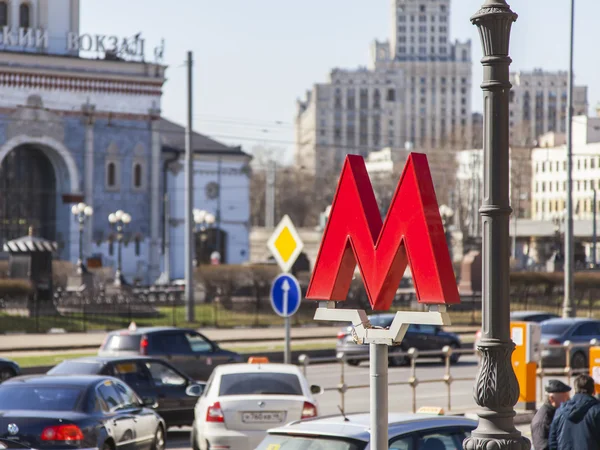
{"x": 412, "y": 234}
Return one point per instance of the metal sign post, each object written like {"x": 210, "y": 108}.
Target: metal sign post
{"x": 285, "y": 300}
{"x": 285, "y": 245}
{"x": 382, "y": 251}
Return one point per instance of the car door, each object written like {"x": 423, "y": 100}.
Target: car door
{"x": 174, "y": 405}
{"x": 204, "y": 358}
{"x": 135, "y": 375}
{"x": 144, "y": 420}
{"x": 118, "y": 421}
{"x": 412, "y": 337}
{"x": 583, "y": 334}
{"x": 173, "y": 347}
{"x": 428, "y": 338}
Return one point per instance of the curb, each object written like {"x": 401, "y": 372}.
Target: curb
{"x": 61, "y": 348}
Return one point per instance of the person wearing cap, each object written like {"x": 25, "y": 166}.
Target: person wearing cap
{"x": 557, "y": 393}
{"x": 576, "y": 424}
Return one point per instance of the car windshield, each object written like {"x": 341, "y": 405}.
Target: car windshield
{"x": 39, "y": 398}
{"x": 381, "y": 321}
{"x": 284, "y": 442}
{"x": 268, "y": 383}
{"x": 555, "y": 328}
{"x": 123, "y": 342}
{"x": 76, "y": 367}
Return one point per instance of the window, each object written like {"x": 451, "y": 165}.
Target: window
{"x": 169, "y": 343}
{"x": 267, "y": 383}
{"x": 198, "y": 343}
{"x": 137, "y": 246}
{"x": 402, "y": 443}
{"x": 422, "y": 8}
{"x": 3, "y": 14}
{"x": 587, "y": 329}
{"x": 40, "y": 398}
{"x": 24, "y": 15}
{"x": 164, "y": 375}
{"x": 130, "y": 400}
{"x": 137, "y": 175}
{"x": 110, "y": 395}
{"x": 448, "y": 440}
{"x": 111, "y": 175}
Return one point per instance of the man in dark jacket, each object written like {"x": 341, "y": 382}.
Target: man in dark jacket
{"x": 557, "y": 393}
{"x": 576, "y": 424}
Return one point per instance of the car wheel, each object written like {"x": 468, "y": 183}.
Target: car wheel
{"x": 159, "y": 439}
{"x": 108, "y": 446}
{"x": 578, "y": 361}
{"x": 194, "y": 438}
{"x": 5, "y": 374}
{"x": 454, "y": 357}
{"x": 353, "y": 362}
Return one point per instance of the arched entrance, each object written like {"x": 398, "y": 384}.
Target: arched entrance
{"x": 27, "y": 194}
{"x": 35, "y": 172}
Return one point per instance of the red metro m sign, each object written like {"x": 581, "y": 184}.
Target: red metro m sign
{"x": 412, "y": 234}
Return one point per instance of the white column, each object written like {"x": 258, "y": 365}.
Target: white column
{"x": 155, "y": 198}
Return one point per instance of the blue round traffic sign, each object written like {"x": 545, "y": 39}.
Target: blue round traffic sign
{"x": 285, "y": 295}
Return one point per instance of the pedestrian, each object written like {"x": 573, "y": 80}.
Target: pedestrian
{"x": 557, "y": 393}
{"x": 576, "y": 424}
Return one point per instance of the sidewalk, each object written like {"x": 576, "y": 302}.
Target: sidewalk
{"x": 70, "y": 341}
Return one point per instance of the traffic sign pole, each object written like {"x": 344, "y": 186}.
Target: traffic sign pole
{"x": 285, "y": 245}
{"x": 285, "y": 300}
{"x": 287, "y": 351}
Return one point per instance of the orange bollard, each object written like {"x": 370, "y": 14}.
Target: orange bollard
{"x": 526, "y": 337}
{"x": 595, "y": 366}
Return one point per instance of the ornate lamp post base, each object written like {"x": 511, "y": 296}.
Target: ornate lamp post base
{"x": 496, "y": 389}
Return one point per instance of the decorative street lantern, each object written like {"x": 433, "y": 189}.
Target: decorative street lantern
{"x": 118, "y": 220}
{"x": 496, "y": 388}
{"x": 82, "y": 213}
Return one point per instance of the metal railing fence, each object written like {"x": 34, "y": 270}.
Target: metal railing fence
{"x": 447, "y": 379}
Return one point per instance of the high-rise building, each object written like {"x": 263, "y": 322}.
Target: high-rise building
{"x": 538, "y": 105}
{"x": 415, "y": 94}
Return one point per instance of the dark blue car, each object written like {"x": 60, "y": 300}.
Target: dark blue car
{"x": 421, "y": 337}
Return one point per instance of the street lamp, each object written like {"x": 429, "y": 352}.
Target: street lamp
{"x": 496, "y": 389}
{"x": 118, "y": 220}
{"x": 203, "y": 220}
{"x": 82, "y": 212}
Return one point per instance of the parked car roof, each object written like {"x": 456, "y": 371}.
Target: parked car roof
{"x": 572, "y": 320}
{"x": 516, "y": 314}
{"x": 58, "y": 380}
{"x": 149, "y": 330}
{"x": 357, "y": 426}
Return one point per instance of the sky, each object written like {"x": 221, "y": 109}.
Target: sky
{"x": 254, "y": 58}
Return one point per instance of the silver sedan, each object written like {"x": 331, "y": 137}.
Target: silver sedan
{"x": 351, "y": 432}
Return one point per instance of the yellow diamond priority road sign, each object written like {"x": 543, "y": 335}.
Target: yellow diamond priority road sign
{"x": 285, "y": 244}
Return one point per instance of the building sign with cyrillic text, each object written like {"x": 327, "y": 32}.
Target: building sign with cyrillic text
{"x": 29, "y": 38}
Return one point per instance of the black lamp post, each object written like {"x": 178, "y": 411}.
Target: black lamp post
{"x": 496, "y": 390}
{"x": 203, "y": 220}
{"x": 118, "y": 220}
{"x": 81, "y": 212}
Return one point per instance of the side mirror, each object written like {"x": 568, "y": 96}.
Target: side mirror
{"x": 195, "y": 390}
{"x": 150, "y": 402}
{"x": 316, "y": 390}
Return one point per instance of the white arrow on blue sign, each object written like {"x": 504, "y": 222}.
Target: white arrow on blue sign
{"x": 285, "y": 295}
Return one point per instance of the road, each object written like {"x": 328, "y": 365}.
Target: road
{"x": 400, "y": 397}
{"x": 357, "y": 400}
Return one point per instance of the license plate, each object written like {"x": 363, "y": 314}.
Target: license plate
{"x": 263, "y": 417}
